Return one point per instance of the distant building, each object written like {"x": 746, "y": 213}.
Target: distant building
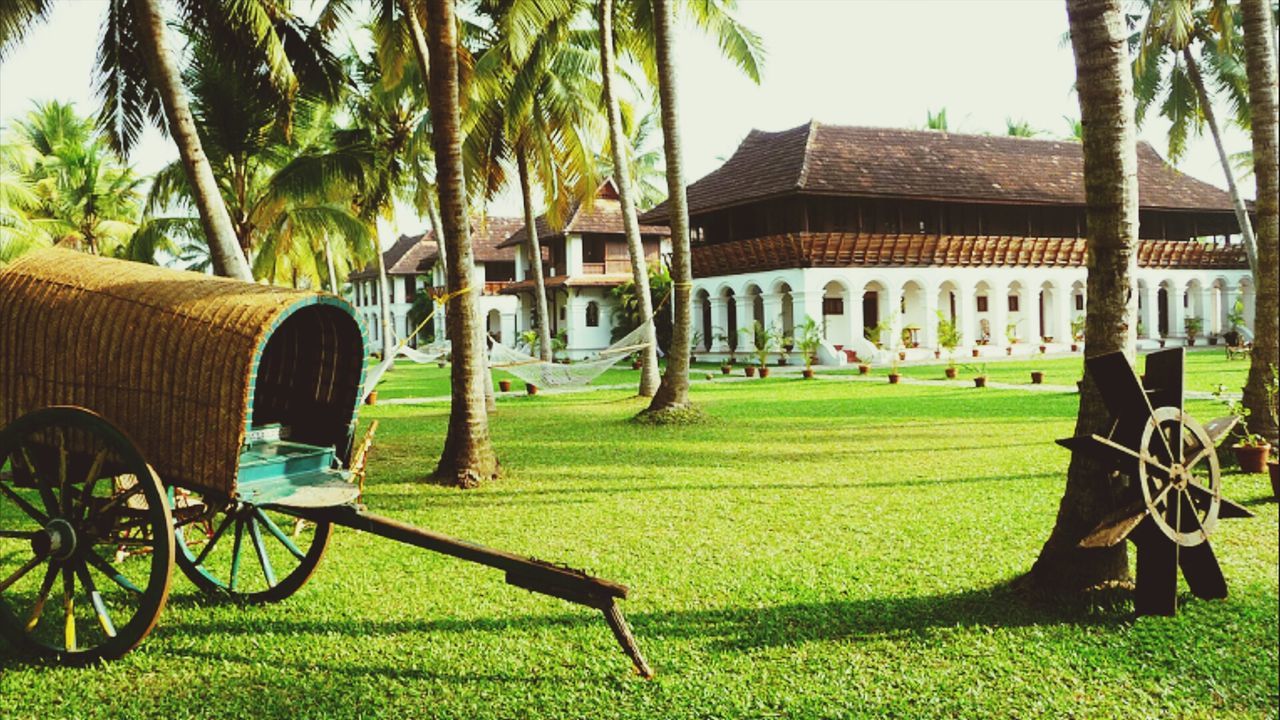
{"x": 863, "y": 227}
{"x": 413, "y": 263}
{"x": 582, "y": 262}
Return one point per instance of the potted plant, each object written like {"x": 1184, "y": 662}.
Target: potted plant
{"x": 1037, "y": 376}
{"x": 1192, "y": 325}
{"x": 749, "y": 370}
{"x": 531, "y": 388}
{"x": 975, "y": 352}
{"x": 1213, "y": 338}
{"x": 504, "y": 385}
{"x": 725, "y": 368}
{"x": 694, "y": 342}
{"x": 894, "y": 376}
{"x": 979, "y": 374}
{"x": 371, "y": 398}
{"x": 949, "y": 338}
{"x": 1252, "y": 451}
{"x": 863, "y": 368}
{"x": 763, "y": 340}
{"x": 636, "y": 361}
{"x": 1077, "y": 332}
{"x": 785, "y": 346}
{"x": 808, "y": 338}
{"x": 1164, "y": 337}
{"x": 1011, "y": 334}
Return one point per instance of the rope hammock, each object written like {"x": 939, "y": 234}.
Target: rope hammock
{"x": 432, "y": 353}
{"x": 548, "y": 374}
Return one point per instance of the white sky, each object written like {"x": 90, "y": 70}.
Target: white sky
{"x": 855, "y": 62}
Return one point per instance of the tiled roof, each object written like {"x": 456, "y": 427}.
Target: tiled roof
{"x": 559, "y": 281}
{"x": 864, "y": 161}
{"x": 818, "y": 249}
{"x": 415, "y": 254}
{"x": 603, "y": 216}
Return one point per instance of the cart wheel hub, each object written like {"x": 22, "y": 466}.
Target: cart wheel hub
{"x": 58, "y": 539}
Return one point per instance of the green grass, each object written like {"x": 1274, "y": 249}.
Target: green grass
{"x": 1205, "y": 370}
{"x": 411, "y": 380}
{"x": 818, "y": 549}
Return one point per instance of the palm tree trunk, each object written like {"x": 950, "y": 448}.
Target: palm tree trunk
{"x": 535, "y": 256}
{"x": 1105, "y": 87}
{"x": 328, "y": 261}
{"x": 1237, "y": 203}
{"x": 622, "y": 179}
{"x": 674, "y": 392}
{"x": 384, "y": 304}
{"x": 224, "y": 248}
{"x": 1261, "y": 67}
{"x": 468, "y": 457}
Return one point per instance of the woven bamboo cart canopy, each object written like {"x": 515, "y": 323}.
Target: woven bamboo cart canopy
{"x": 183, "y": 363}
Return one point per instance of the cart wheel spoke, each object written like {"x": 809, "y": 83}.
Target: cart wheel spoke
{"x": 213, "y": 540}
{"x": 267, "y": 571}
{"x": 280, "y": 535}
{"x": 64, "y": 487}
{"x": 90, "y": 482}
{"x": 22, "y": 570}
{"x": 109, "y": 570}
{"x": 23, "y": 505}
{"x": 69, "y": 606}
{"x": 235, "y": 554}
{"x": 46, "y": 587}
{"x": 95, "y": 598}
{"x": 46, "y": 492}
{"x": 18, "y": 534}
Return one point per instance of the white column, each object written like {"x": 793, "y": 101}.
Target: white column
{"x": 1063, "y": 303}
{"x": 1148, "y": 313}
{"x": 967, "y": 310}
{"x": 1250, "y": 305}
{"x": 720, "y": 324}
{"x": 574, "y": 321}
{"x": 804, "y": 302}
{"x": 746, "y": 318}
{"x": 573, "y": 255}
{"x": 1177, "y": 312}
{"x": 929, "y": 328}
{"x": 998, "y": 312}
{"x": 894, "y": 309}
{"x": 1206, "y": 313}
{"x": 1228, "y": 301}
{"x": 772, "y": 310}
{"x": 853, "y": 315}
{"x": 520, "y": 263}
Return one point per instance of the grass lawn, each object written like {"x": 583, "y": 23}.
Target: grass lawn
{"x": 820, "y": 549}
{"x": 411, "y": 380}
{"x": 1205, "y": 370}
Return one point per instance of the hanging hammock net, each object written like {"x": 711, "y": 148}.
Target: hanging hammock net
{"x": 548, "y": 374}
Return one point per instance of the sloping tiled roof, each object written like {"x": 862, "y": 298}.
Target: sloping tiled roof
{"x": 604, "y": 216}
{"x": 415, "y": 254}
{"x": 820, "y": 249}
{"x": 925, "y": 164}
{"x": 558, "y": 281}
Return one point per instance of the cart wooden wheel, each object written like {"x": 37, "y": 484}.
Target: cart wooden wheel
{"x": 86, "y": 541}
{"x": 247, "y": 552}
{"x": 1179, "y": 477}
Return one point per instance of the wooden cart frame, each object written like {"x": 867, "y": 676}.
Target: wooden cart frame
{"x": 151, "y": 417}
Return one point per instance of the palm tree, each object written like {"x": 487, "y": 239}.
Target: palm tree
{"x": 1104, "y": 88}
{"x": 936, "y": 121}
{"x": 622, "y": 180}
{"x": 1172, "y": 29}
{"x": 1019, "y": 128}
{"x": 468, "y": 457}
{"x": 19, "y": 233}
{"x": 1260, "y": 54}
{"x": 644, "y": 153}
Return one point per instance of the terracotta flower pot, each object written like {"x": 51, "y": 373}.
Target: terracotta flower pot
{"x": 504, "y": 385}
{"x": 975, "y": 352}
{"x": 1252, "y": 458}
{"x": 750, "y": 370}
{"x": 1037, "y": 377}
{"x": 980, "y": 381}
{"x": 902, "y": 355}
{"x": 1213, "y": 341}
{"x": 864, "y": 369}
{"x": 894, "y": 378}
{"x": 853, "y": 355}
{"x": 636, "y": 364}
{"x": 951, "y": 373}
{"x": 531, "y": 388}
{"x": 1042, "y": 349}
{"x": 372, "y": 398}
{"x": 726, "y": 369}
{"x": 1191, "y": 342}
{"x": 1161, "y": 343}
{"x": 807, "y": 373}
{"x": 764, "y": 372}
{"x": 937, "y": 354}
{"x": 1274, "y": 467}
{"x": 1075, "y": 347}
{"x": 1008, "y": 351}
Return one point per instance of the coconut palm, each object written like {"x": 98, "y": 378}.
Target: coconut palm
{"x": 641, "y": 126}
{"x": 139, "y": 82}
{"x": 1260, "y": 54}
{"x": 1104, "y": 87}
{"x": 19, "y": 232}
{"x": 1019, "y": 128}
{"x": 468, "y": 457}
{"x": 1180, "y": 43}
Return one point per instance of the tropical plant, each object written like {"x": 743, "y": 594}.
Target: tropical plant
{"x": 468, "y": 456}
{"x": 630, "y": 310}
{"x": 530, "y": 340}
{"x": 949, "y": 336}
{"x": 936, "y": 121}
{"x": 1104, "y": 89}
{"x": 763, "y": 341}
{"x": 808, "y": 340}
{"x": 878, "y": 332}
{"x": 1170, "y": 35}
{"x": 1077, "y": 328}
{"x": 1011, "y": 332}
{"x": 641, "y": 129}
{"x": 1261, "y": 62}
{"x": 1192, "y": 325}
{"x": 1019, "y": 128}
{"x": 1238, "y": 410}
{"x": 139, "y": 83}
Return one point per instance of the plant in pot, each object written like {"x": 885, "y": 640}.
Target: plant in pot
{"x": 1037, "y": 376}
{"x": 559, "y": 344}
{"x": 1252, "y": 450}
{"x": 1213, "y": 338}
{"x": 808, "y": 338}
{"x": 979, "y": 374}
{"x": 1164, "y": 337}
{"x": 694, "y": 342}
{"x": 1077, "y": 332}
{"x": 1010, "y": 334}
{"x": 1192, "y": 325}
{"x": 894, "y": 357}
{"x": 785, "y": 346}
{"x": 763, "y": 340}
{"x": 504, "y": 385}
{"x": 949, "y": 338}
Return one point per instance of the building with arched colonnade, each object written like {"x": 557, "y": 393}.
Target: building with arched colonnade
{"x": 878, "y": 233}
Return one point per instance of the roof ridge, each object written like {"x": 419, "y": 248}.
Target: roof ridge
{"x": 804, "y": 158}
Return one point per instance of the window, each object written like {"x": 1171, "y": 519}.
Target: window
{"x": 593, "y": 250}
{"x": 562, "y": 313}
{"x": 410, "y": 288}
{"x": 1080, "y": 302}
{"x": 982, "y": 303}
{"x": 1013, "y": 303}
{"x": 833, "y": 306}
{"x": 593, "y": 314}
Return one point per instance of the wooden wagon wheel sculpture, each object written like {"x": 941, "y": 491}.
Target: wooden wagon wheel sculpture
{"x": 1174, "y": 495}
{"x": 150, "y": 417}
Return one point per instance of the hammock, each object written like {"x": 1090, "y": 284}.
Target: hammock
{"x": 547, "y": 374}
